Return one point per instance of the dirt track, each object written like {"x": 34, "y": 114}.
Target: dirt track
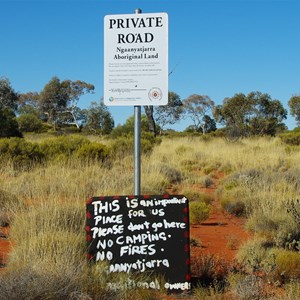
{"x": 221, "y": 234}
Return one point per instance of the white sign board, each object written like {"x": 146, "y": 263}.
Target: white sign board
{"x": 136, "y": 59}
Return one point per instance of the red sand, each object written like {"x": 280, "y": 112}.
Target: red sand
{"x": 4, "y": 245}
{"x": 221, "y": 234}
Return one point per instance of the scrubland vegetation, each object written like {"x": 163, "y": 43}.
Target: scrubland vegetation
{"x": 45, "y": 182}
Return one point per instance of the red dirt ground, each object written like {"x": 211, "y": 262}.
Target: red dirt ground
{"x": 4, "y": 245}
{"x": 221, "y": 234}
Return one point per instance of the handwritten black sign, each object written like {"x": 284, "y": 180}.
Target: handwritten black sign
{"x": 142, "y": 234}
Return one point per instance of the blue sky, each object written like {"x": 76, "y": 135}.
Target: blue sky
{"x": 216, "y": 48}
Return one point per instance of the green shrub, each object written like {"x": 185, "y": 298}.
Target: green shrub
{"x": 46, "y": 127}
{"x": 234, "y": 196}
{"x": 8, "y": 124}
{"x": 29, "y": 123}
{"x": 124, "y": 145}
{"x": 261, "y": 223}
{"x": 23, "y": 154}
{"x": 62, "y": 147}
{"x": 234, "y": 207}
{"x": 199, "y": 212}
{"x": 69, "y": 130}
{"x": 291, "y": 137}
{"x": 257, "y": 255}
{"x": 279, "y": 229}
{"x": 92, "y": 151}
{"x": 148, "y": 141}
{"x": 243, "y": 178}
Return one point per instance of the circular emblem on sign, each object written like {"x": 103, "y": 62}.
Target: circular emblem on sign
{"x": 111, "y": 99}
{"x": 155, "y": 94}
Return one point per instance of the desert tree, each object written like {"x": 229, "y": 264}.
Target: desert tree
{"x": 209, "y": 125}
{"x": 8, "y": 97}
{"x": 8, "y": 105}
{"x": 253, "y": 114}
{"x": 170, "y": 113}
{"x": 60, "y": 97}
{"x": 160, "y": 116}
{"x": 294, "y": 105}
{"x": 196, "y": 107}
{"x": 29, "y": 104}
{"x": 8, "y": 124}
{"x": 233, "y": 114}
{"x": 98, "y": 118}
{"x": 267, "y": 114}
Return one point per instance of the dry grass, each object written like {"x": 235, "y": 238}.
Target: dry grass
{"x": 48, "y": 204}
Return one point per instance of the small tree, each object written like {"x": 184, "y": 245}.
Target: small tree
{"x": 294, "y": 105}
{"x": 8, "y": 104}
{"x": 8, "y": 97}
{"x": 29, "y": 104}
{"x": 209, "y": 124}
{"x": 8, "y": 124}
{"x": 267, "y": 114}
{"x": 170, "y": 113}
{"x": 61, "y": 97}
{"x": 98, "y": 118}
{"x": 234, "y": 114}
{"x": 196, "y": 107}
{"x": 252, "y": 114}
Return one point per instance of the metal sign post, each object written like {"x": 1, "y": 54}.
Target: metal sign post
{"x": 136, "y": 68}
{"x": 137, "y": 150}
{"x": 137, "y": 143}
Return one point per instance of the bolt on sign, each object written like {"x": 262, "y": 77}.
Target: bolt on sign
{"x": 136, "y": 59}
{"x": 141, "y": 234}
